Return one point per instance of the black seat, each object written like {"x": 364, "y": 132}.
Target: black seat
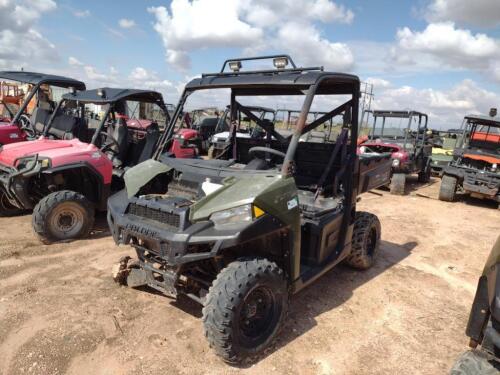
{"x": 68, "y": 127}
{"x": 152, "y": 136}
{"x": 118, "y": 131}
{"x": 39, "y": 118}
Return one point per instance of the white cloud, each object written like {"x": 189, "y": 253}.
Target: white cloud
{"x": 200, "y": 24}
{"x": 20, "y": 42}
{"x": 73, "y": 61}
{"x": 139, "y": 78}
{"x": 452, "y": 45}
{"x": 254, "y": 25}
{"x": 478, "y": 12}
{"x": 446, "y": 109}
{"x": 266, "y": 13}
{"x": 305, "y": 42}
{"x": 94, "y": 75}
{"x": 125, "y": 23}
{"x": 443, "y": 46}
{"x": 81, "y": 13}
{"x": 143, "y": 78}
{"x": 378, "y": 82}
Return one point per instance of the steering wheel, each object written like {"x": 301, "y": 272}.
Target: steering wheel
{"x": 107, "y": 146}
{"x": 255, "y": 151}
{"x": 27, "y": 126}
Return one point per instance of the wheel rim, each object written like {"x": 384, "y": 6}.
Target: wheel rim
{"x": 5, "y": 204}
{"x": 67, "y": 220}
{"x": 371, "y": 242}
{"x": 258, "y": 315}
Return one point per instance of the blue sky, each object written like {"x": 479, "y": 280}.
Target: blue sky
{"x": 439, "y": 56}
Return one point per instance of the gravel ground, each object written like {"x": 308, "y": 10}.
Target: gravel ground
{"x": 60, "y": 311}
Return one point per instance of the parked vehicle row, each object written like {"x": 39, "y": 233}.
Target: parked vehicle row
{"x": 236, "y": 209}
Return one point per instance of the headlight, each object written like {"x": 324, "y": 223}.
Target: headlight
{"x": 395, "y": 162}
{"x": 236, "y": 215}
{"x": 27, "y": 163}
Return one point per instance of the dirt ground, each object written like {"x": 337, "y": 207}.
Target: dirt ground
{"x": 60, "y": 311}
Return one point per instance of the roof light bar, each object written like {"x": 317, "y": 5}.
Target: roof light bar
{"x": 280, "y": 62}
{"x": 235, "y": 66}
{"x": 101, "y": 93}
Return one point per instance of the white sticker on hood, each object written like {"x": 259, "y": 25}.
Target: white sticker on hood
{"x": 292, "y": 203}
{"x": 209, "y": 187}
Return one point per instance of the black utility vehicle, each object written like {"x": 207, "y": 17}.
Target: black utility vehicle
{"x": 475, "y": 167}
{"x": 483, "y": 327}
{"x": 241, "y": 234}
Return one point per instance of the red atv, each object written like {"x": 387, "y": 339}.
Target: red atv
{"x": 194, "y": 139}
{"x": 24, "y": 115}
{"x": 408, "y": 144}
{"x": 64, "y": 181}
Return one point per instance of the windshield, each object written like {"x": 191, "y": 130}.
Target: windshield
{"x": 246, "y": 119}
{"x": 394, "y": 128}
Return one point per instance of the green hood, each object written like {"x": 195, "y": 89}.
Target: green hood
{"x": 139, "y": 175}
{"x": 235, "y": 191}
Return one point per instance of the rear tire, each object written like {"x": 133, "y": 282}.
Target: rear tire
{"x": 7, "y": 209}
{"x": 365, "y": 241}
{"x": 245, "y": 309}
{"x": 63, "y": 215}
{"x": 397, "y": 185}
{"x": 474, "y": 362}
{"x": 448, "y": 188}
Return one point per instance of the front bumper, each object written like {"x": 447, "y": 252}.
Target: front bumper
{"x": 478, "y": 183}
{"x": 14, "y": 182}
{"x": 165, "y": 240}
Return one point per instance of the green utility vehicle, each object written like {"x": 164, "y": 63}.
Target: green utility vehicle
{"x": 240, "y": 235}
{"x": 483, "y": 327}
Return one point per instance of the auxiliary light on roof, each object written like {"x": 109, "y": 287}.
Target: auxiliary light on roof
{"x": 235, "y": 66}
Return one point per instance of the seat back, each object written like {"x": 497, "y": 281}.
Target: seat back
{"x": 65, "y": 126}
{"x": 39, "y": 118}
{"x": 119, "y": 132}
{"x": 151, "y": 138}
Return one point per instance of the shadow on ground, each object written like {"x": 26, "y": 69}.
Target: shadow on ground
{"x": 328, "y": 293}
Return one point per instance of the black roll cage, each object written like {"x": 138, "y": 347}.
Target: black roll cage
{"x": 410, "y": 115}
{"x": 309, "y": 92}
{"x": 109, "y": 110}
{"x": 34, "y": 90}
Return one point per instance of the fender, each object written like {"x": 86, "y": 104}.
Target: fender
{"x": 103, "y": 190}
{"x": 454, "y": 172}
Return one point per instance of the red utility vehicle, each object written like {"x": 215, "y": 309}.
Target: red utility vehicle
{"x": 197, "y": 127}
{"x": 408, "y": 144}
{"x": 33, "y": 107}
{"x": 64, "y": 181}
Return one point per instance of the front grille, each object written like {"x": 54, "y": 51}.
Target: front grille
{"x": 155, "y": 214}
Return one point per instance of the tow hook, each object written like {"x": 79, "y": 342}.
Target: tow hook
{"x": 121, "y": 270}
{"x": 129, "y": 273}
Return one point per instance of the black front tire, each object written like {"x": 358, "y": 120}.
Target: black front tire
{"x": 365, "y": 241}
{"x": 475, "y": 362}
{"x": 448, "y": 188}
{"x": 63, "y": 215}
{"x": 397, "y": 185}
{"x": 245, "y": 309}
